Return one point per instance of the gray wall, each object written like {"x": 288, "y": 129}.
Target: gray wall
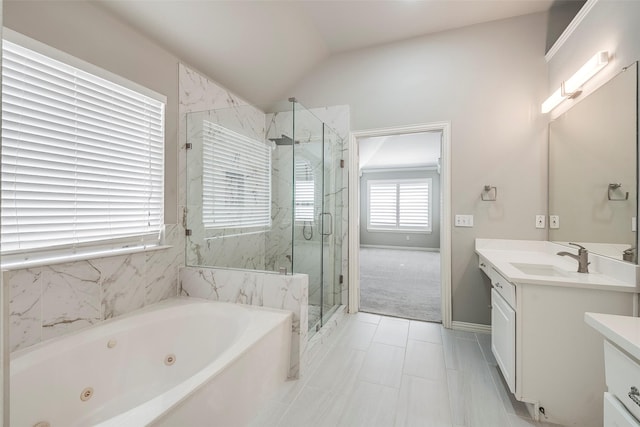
{"x": 489, "y": 81}
{"x": 86, "y": 31}
{"x": 386, "y": 238}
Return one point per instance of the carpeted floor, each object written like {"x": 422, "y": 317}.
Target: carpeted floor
{"x": 401, "y": 283}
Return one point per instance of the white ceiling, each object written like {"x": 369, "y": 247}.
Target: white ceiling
{"x": 260, "y": 49}
{"x": 400, "y": 151}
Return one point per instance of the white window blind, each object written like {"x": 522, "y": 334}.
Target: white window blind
{"x": 305, "y": 192}
{"x": 383, "y": 204}
{"x": 399, "y": 205}
{"x": 236, "y": 181}
{"x": 82, "y": 157}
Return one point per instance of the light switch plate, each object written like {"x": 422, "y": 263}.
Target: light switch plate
{"x": 540, "y": 221}
{"x": 554, "y": 221}
{"x": 464, "y": 221}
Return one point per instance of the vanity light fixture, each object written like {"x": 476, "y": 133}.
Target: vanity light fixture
{"x": 571, "y": 87}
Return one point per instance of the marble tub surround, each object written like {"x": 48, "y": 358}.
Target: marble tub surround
{"x": 49, "y": 301}
{"x": 604, "y": 273}
{"x": 257, "y": 288}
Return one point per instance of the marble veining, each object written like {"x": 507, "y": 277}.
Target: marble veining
{"x": 70, "y": 297}
{"x": 162, "y": 267}
{"x": 284, "y": 292}
{"x": 49, "y": 301}
{"x": 203, "y": 100}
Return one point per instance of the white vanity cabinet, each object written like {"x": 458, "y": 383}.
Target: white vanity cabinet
{"x": 623, "y": 379}
{"x": 548, "y": 356}
{"x": 622, "y": 367}
{"x": 503, "y": 327}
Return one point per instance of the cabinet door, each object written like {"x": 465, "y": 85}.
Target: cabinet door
{"x": 503, "y": 338}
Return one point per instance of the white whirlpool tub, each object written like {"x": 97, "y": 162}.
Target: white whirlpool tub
{"x": 183, "y": 362}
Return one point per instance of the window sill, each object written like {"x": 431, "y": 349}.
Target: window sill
{"x": 81, "y": 256}
{"x": 398, "y": 231}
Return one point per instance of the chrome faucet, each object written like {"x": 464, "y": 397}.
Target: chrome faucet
{"x": 582, "y": 258}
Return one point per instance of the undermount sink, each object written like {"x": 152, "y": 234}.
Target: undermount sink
{"x": 541, "y": 270}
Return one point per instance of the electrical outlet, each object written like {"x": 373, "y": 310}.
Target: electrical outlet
{"x": 540, "y": 221}
{"x": 464, "y": 221}
{"x": 554, "y": 221}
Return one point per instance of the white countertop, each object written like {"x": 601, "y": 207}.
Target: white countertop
{"x": 623, "y": 331}
{"x": 604, "y": 273}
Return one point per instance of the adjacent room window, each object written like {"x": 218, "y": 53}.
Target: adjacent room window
{"x": 236, "y": 180}
{"x": 399, "y": 205}
{"x": 82, "y": 158}
{"x": 305, "y": 192}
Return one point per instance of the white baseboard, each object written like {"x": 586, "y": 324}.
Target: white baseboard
{"x": 409, "y": 248}
{"x": 471, "y": 327}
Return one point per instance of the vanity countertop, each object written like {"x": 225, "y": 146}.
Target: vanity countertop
{"x": 545, "y": 267}
{"x": 623, "y": 331}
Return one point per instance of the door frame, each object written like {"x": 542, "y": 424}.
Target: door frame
{"x": 445, "y": 225}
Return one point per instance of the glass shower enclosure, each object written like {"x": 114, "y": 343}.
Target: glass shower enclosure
{"x": 262, "y": 194}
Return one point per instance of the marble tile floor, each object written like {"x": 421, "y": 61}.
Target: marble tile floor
{"x": 386, "y": 372}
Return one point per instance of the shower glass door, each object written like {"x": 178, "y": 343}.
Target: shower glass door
{"x": 308, "y": 206}
{"x": 317, "y": 176}
{"x": 331, "y": 224}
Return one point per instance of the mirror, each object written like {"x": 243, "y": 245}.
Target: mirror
{"x": 592, "y": 170}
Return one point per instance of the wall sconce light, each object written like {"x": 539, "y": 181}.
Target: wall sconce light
{"x": 571, "y": 88}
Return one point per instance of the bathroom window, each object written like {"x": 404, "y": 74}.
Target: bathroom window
{"x": 82, "y": 158}
{"x": 236, "y": 180}
{"x": 305, "y": 192}
{"x": 399, "y": 205}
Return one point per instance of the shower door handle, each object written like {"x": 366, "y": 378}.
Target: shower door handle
{"x": 323, "y": 214}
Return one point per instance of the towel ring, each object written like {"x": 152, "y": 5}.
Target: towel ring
{"x": 486, "y": 194}
{"x": 612, "y": 189}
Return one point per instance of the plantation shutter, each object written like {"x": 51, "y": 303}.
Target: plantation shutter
{"x": 399, "y": 205}
{"x": 236, "y": 182}
{"x": 383, "y": 204}
{"x": 413, "y": 211}
{"x": 82, "y": 157}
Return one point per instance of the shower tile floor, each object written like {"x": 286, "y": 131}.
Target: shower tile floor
{"x": 386, "y": 372}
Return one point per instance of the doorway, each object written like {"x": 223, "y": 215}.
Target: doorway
{"x": 399, "y": 222}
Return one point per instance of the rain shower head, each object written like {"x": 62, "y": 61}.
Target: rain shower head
{"x": 283, "y": 140}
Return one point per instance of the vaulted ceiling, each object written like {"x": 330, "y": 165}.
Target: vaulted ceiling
{"x": 260, "y": 49}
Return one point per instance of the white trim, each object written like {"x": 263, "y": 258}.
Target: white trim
{"x": 573, "y": 25}
{"x": 445, "y": 224}
{"x": 410, "y": 169}
{"x": 471, "y": 327}
{"x": 445, "y": 217}
{"x": 83, "y": 256}
{"x": 354, "y": 225}
{"x": 404, "y": 248}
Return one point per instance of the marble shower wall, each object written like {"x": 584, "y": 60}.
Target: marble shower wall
{"x": 263, "y": 289}
{"x": 49, "y": 301}
{"x": 202, "y": 99}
